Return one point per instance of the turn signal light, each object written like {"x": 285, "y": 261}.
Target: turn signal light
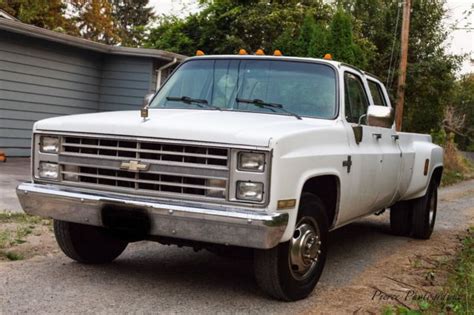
{"x": 200, "y": 53}
{"x": 286, "y": 204}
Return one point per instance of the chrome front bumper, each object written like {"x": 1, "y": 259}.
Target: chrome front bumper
{"x": 230, "y": 226}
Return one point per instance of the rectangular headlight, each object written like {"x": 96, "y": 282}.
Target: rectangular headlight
{"x": 249, "y": 161}
{"x": 48, "y": 170}
{"x": 49, "y": 144}
{"x": 249, "y": 191}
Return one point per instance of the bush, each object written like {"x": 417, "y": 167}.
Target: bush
{"x": 456, "y": 167}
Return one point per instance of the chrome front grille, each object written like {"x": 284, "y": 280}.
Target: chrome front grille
{"x": 172, "y": 170}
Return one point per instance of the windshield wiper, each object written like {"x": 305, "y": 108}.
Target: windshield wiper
{"x": 190, "y": 100}
{"x": 259, "y": 103}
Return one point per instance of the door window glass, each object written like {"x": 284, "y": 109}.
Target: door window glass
{"x": 356, "y": 101}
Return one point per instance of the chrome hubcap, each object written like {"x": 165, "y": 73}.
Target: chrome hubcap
{"x": 305, "y": 248}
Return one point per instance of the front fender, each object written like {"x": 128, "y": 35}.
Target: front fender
{"x": 298, "y": 190}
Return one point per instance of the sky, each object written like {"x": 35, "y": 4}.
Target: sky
{"x": 460, "y": 41}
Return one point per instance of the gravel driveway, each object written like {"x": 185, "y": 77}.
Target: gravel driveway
{"x": 152, "y": 278}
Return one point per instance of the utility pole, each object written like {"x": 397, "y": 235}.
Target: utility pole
{"x": 402, "y": 73}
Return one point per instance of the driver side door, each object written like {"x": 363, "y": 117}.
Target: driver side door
{"x": 366, "y": 170}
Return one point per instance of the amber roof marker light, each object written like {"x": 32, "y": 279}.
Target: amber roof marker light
{"x": 243, "y": 52}
{"x": 277, "y": 52}
{"x": 260, "y": 52}
{"x": 200, "y": 53}
{"x": 327, "y": 57}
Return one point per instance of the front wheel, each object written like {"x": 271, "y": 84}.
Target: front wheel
{"x": 291, "y": 270}
{"x": 87, "y": 244}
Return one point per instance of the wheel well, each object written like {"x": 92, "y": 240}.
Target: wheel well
{"x": 437, "y": 173}
{"x": 327, "y": 189}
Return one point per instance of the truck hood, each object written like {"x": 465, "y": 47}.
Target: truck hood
{"x": 230, "y": 127}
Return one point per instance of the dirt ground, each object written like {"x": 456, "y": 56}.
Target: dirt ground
{"x": 367, "y": 270}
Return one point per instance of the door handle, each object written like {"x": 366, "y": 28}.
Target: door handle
{"x": 377, "y": 135}
{"x": 395, "y": 137}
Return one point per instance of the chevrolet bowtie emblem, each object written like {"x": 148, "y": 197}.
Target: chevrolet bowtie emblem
{"x": 134, "y": 166}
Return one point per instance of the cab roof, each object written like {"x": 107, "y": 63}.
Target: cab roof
{"x": 269, "y": 57}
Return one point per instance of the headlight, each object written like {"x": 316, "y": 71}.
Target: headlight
{"x": 250, "y": 191}
{"x": 215, "y": 183}
{"x": 254, "y": 162}
{"x": 48, "y": 170}
{"x": 49, "y": 144}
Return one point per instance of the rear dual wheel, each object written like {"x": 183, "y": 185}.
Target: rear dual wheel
{"x": 291, "y": 270}
{"x": 416, "y": 217}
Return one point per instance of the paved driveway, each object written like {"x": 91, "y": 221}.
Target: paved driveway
{"x": 13, "y": 172}
{"x": 153, "y": 279}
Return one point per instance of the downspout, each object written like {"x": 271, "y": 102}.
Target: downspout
{"x": 160, "y": 70}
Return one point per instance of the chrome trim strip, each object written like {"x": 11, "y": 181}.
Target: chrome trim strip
{"x": 144, "y": 181}
{"x": 114, "y": 162}
{"x": 102, "y": 147}
{"x": 239, "y": 227}
{"x": 149, "y": 139}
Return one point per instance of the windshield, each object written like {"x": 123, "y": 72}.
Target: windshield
{"x": 301, "y": 88}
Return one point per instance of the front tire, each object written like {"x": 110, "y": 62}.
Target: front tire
{"x": 87, "y": 244}
{"x": 291, "y": 270}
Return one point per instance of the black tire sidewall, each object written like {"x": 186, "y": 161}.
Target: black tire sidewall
{"x": 422, "y": 226}
{"x": 401, "y": 218}
{"x": 87, "y": 244}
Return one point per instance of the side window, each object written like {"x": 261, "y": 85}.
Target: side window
{"x": 356, "y": 101}
{"x": 377, "y": 93}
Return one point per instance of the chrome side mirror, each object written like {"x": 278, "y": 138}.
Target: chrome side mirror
{"x": 380, "y": 116}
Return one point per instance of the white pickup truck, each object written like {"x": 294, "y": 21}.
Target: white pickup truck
{"x": 267, "y": 153}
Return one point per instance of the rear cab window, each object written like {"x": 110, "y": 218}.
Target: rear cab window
{"x": 377, "y": 91}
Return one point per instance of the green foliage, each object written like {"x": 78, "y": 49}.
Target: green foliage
{"x": 225, "y": 26}
{"x": 13, "y": 255}
{"x": 430, "y": 73}
{"x": 43, "y": 13}
{"x": 131, "y": 17}
{"x": 463, "y": 102}
{"x": 439, "y": 136}
{"x": 459, "y": 291}
{"x": 341, "y": 39}
{"x": 108, "y": 21}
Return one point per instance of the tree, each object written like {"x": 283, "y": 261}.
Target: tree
{"x": 225, "y": 26}
{"x": 131, "y": 17}
{"x": 431, "y": 70}
{"x": 95, "y": 21}
{"x": 463, "y": 104}
{"x": 341, "y": 39}
{"x": 47, "y": 14}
